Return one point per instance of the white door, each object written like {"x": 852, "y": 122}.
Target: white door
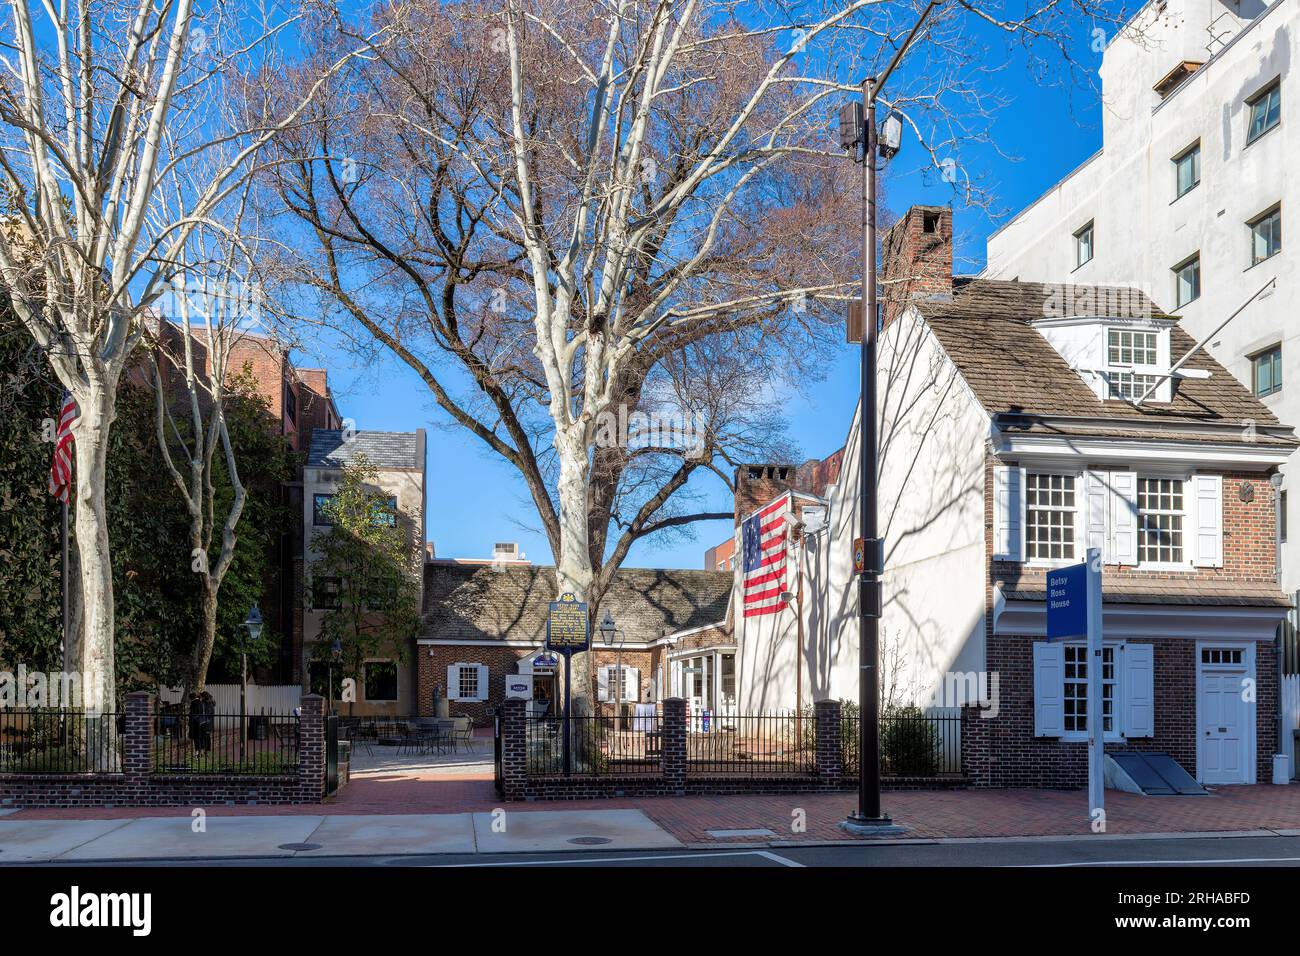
{"x": 1222, "y": 717}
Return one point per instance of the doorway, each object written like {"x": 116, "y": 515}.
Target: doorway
{"x": 1225, "y": 714}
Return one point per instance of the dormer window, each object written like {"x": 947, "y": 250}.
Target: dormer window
{"x": 1132, "y": 356}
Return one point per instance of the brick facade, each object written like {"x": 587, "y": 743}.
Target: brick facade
{"x": 137, "y": 786}
{"x": 1004, "y": 751}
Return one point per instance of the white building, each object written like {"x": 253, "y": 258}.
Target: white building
{"x": 1186, "y": 197}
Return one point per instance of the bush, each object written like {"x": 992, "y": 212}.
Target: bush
{"x": 909, "y": 743}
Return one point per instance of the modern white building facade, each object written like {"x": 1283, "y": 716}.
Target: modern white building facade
{"x": 1189, "y": 193}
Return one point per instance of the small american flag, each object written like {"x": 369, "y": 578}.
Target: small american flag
{"x": 763, "y": 554}
{"x": 61, "y": 466}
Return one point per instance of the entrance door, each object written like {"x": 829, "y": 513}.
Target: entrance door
{"x": 1222, "y": 717}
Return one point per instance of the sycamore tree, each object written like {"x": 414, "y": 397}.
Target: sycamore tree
{"x": 104, "y": 106}
{"x": 560, "y": 213}
{"x": 363, "y": 573}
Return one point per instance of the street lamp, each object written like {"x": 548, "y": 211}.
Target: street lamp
{"x": 252, "y": 624}
{"x": 336, "y": 652}
{"x": 611, "y": 633}
{"x": 858, "y": 131}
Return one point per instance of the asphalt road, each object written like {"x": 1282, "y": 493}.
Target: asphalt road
{"x": 1251, "y": 851}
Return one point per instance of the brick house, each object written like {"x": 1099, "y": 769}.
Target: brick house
{"x": 483, "y": 622}
{"x": 299, "y": 401}
{"x": 1017, "y": 431}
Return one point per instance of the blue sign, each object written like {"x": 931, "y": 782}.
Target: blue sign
{"x": 1067, "y": 602}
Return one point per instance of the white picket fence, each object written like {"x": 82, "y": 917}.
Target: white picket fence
{"x": 1290, "y": 708}
{"x": 262, "y": 699}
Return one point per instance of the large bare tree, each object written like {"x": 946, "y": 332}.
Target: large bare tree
{"x": 555, "y": 210}
{"x": 104, "y": 106}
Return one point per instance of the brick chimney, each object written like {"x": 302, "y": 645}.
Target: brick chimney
{"x": 756, "y": 485}
{"x": 916, "y": 259}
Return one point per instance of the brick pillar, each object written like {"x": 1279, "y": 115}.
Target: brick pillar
{"x": 137, "y": 743}
{"x": 674, "y": 745}
{"x": 311, "y": 750}
{"x": 828, "y": 730}
{"x": 514, "y": 748}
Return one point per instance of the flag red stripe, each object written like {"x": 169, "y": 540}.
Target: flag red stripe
{"x": 772, "y": 609}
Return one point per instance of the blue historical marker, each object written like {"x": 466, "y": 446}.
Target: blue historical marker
{"x": 1067, "y": 602}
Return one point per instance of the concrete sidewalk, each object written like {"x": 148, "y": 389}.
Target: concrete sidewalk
{"x": 181, "y": 837}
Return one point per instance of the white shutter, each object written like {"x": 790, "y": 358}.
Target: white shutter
{"x": 453, "y": 682}
{"x": 1007, "y": 511}
{"x": 1207, "y": 520}
{"x": 1139, "y": 690}
{"x": 1049, "y": 689}
{"x": 1123, "y": 516}
{"x": 602, "y": 683}
{"x": 1096, "y": 502}
{"x": 482, "y": 682}
{"x": 631, "y": 684}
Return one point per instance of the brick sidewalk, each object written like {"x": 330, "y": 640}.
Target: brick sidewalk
{"x": 925, "y": 814}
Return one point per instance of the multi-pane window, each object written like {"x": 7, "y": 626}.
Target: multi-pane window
{"x": 1265, "y": 112}
{"x": 1221, "y": 655}
{"x": 1049, "y": 516}
{"x": 1187, "y": 170}
{"x": 1265, "y": 236}
{"x": 1083, "y": 245}
{"x": 325, "y": 593}
{"x": 1187, "y": 281}
{"x": 1160, "y": 520}
{"x": 1266, "y": 371}
{"x": 1130, "y": 347}
{"x": 1130, "y": 385}
{"x": 467, "y": 682}
{"x": 385, "y": 514}
{"x": 1076, "y": 689}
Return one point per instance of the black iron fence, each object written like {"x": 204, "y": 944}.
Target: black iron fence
{"x": 227, "y": 743}
{"x": 769, "y": 745}
{"x": 60, "y": 741}
{"x": 601, "y": 746}
{"x": 912, "y": 744}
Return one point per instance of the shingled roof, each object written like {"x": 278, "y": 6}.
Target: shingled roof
{"x": 1019, "y": 377}
{"x": 479, "y": 602}
{"x": 383, "y": 449}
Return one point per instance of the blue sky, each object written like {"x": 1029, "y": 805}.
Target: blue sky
{"x": 475, "y": 499}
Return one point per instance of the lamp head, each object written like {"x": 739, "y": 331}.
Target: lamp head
{"x": 253, "y": 623}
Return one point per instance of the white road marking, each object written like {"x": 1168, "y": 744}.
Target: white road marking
{"x": 784, "y": 861}
{"x": 621, "y": 859}
{"x": 1244, "y": 859}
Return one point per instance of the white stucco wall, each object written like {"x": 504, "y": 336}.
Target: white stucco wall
{"x": 1141, "y": 231}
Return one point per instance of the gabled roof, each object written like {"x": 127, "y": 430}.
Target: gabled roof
{"x": 1019, "y": 378}
{"x": 467, "y": 602}
{"x": 383, "y": 449}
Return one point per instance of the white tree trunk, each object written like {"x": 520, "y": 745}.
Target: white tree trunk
{"x": 573, "y": 572}
{"x": 96, "y": 567}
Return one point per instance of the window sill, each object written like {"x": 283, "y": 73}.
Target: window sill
{"x": 1252, "y": 142}
{"x": 1266, "y": 259}
{"x": 1190, "y": 189}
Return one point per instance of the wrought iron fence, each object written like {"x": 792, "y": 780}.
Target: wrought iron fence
{"x": 225, "y": 743}
{"x": 60, "y": 741}
{"x": 912, "y": 744}
{"x": 600, "y": 746}
{"x": 753, "y": 746}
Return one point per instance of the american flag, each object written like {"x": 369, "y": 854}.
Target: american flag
{"x": 61, "y": 466}
{"x": 763, "y": 554}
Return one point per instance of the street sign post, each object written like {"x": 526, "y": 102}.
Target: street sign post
{"x": 568, "y": 631}
{"x": 1074, "y": 610}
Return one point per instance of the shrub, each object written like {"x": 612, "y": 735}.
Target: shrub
{"x": 909, "y": 743}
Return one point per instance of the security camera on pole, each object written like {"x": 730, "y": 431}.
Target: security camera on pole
{"x": 858, "y": 132}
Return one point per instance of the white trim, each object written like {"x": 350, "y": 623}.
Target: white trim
{"x": 701, "y": 651}
{"x": 1204, "y": 622}
{"x": 1187, "y": 455}
{"x": 1250, "y": 756}
{"x": 441, "y": 642}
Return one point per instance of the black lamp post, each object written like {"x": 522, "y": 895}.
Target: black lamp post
{"x": 858, "y": 131}
{"x": 610, "y": 632}
{"x": 253, "y": 625}
{"x": 336, "y": 652}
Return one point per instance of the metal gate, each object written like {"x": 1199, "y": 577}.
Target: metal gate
{"x": 331, "y": 754}
{"x": 496, "y": 752}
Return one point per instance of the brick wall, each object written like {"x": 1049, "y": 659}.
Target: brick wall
{"x": 136, "y": 786}
{"x": 916, "y": 259}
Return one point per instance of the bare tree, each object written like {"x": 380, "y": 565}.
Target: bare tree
{"x": 573, "y": 208}
{"x": 102, "y": 106}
